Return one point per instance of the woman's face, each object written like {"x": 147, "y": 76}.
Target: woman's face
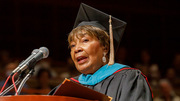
{"x": 87, "y": 53}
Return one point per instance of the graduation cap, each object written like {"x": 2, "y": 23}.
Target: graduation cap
{"x": 90, "y": 16}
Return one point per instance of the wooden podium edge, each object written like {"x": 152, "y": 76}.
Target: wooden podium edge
{"x": 41, "y": 98}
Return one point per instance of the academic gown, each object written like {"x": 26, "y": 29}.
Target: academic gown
{"x": 126, "y": 84}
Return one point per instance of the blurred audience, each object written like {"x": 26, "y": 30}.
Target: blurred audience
{"x": 43, "y": 80}
{"x": 121, "y": 56}
{"x": 45, "y": 63}
{"x": 176, "y": 64}
{"x": 151, "y": 70}
{"x": 4, "y": 58}
{"x": 172, "y": 77}
{"x": 145, "y": 62}
{"x": 166, "y": 92}
{"x": 69, "y": 70}
{"x": 7, "y": 71}
{"x": 154, "y": 76}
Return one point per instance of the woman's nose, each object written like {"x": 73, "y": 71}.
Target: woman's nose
{"x": 78, "y": 49}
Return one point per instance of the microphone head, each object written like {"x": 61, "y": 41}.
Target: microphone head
{"x": 35, "y": 51}
{"x": 45, "y": 51}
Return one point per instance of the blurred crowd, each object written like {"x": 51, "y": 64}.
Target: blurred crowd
{"x": 49, "y": 73}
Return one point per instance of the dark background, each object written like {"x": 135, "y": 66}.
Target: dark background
{"x": 29, "y": 24}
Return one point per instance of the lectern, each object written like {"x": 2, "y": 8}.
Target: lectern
{"x": 68, "y": 91}
{"x": 41, "y": 98}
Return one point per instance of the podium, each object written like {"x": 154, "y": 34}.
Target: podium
{"x": 67, "y": 91}
{"x": 41, "y": 98}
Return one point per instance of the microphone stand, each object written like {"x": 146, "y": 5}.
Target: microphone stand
{"x": 24, "y": 81}
{"x": 31, "y": 71}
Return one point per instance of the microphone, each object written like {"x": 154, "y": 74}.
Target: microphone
{"x": 36, "y": 55}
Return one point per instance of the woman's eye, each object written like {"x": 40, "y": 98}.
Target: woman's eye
{"x": 85, "y": 40}
{"x": 71, "y": 46}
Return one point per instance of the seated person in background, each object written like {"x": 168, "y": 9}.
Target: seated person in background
{"x": 43, "y": 79}
{"x": 145, "y": 62}
{"x": 172, "y": 77}
{"x": 167, "y": 93}
{"x": 92, "y": 52}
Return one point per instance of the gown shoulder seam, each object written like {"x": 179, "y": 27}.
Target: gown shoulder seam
{"x": 125, "y": 68}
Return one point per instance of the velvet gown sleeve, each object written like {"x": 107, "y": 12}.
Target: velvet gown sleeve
{"x": 133, "y": 87}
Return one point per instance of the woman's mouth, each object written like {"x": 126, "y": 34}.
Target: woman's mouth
{"x": 81, "y": 59}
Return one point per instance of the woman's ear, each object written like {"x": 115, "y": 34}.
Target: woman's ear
{"x": 105, "y": 49}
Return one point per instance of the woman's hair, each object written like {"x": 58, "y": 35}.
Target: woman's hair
{"x": 92, "y": 31}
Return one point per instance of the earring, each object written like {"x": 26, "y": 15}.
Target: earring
{"x": 104, "y": 58}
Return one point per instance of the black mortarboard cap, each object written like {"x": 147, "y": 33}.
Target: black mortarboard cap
{"x": 90, "y": 16}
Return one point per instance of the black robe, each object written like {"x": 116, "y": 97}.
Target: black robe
{"x": 126, "y": 84}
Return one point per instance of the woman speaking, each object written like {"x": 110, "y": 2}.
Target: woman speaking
{"x": 92, "y": 52}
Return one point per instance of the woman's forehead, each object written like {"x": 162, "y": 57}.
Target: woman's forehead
{"x": 77, "y": 36}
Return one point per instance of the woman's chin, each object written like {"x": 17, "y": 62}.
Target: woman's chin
{"x": 84, "y": 69}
